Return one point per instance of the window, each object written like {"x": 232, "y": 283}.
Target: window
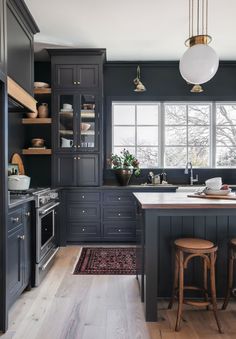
{"x": 170, "y": 134}
{"x": 136, "y": 128}
{"x": 187, "y": 134}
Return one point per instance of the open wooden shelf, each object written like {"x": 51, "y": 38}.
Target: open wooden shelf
{"x": 42, "y": 90}
{"x": 36, "y": 151}
{"x": 35, "y": 121}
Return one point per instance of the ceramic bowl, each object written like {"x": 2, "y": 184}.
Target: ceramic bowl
{"x": 84, "y": 127}
{"x": 214, "y": 183}
{"x": 37, "y": 142}
{"x": 32, "y": 114}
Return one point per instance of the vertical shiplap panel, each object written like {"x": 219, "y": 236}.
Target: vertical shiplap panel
{"x": 188, "y": 232}
{"x": 221, "y": 262}
{"x": 231, "y": 235}
{"x": 164, "y": 248}
{"x": 199, "y": 232}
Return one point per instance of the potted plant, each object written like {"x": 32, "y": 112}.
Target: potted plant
{"x": 124, "y": 165}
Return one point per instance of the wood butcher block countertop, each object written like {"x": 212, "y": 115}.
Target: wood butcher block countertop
{"x": 179, "y": 201}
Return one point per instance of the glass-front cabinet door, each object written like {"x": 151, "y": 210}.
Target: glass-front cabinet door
{"x": 66, "y": 109}
{"x": 88, "y": 129}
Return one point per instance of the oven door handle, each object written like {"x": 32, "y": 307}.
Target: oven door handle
{"x": 49, "y": 260}
{"x": 49, "y": 208}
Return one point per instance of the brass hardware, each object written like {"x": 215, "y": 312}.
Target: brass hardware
{"x": 74, "y": 82}
{"x": 197, "y": 89}
{"x": 15, "y": 219}
{"x": 21, "y": 237}
{"x": 27, "y": 214}
{"x": 139, "y": 86}
{"x": 74, "y": 158}
{"x": 78, "y": 146}
{"x": 74, "y": 146}
{"x": 119, "y": 230}
{"x": 198, "y": 39}
{"x": 78, "y": 82}
{"x": 83, "y": 229}
{"x": 82, "y": 196}
{"x": 83, "y": 211}
{"x": 119, "y": 214}
{"x": 78, "y": 158}
{"x": 119, "y": 198}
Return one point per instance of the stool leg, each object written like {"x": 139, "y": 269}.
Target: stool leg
{"x": 181, "y": 290}
{"x": 175, "y": 282}
{"x": 213, "y": 290}
{"x": 230, "y": 279}
{"x": 205, "y": 281}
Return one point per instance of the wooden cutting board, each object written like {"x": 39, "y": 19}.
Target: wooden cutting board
{"x": 16, "y": 159}
{"x": 225, "y": 197}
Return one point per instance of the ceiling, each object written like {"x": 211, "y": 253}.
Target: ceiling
{"x": 130, "y": 30}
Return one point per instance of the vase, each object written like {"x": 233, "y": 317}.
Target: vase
{"x": 123, "y": 176}
{"x": 43, "y": 110}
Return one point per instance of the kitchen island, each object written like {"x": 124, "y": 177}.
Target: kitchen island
{"x": 164, "y": 217}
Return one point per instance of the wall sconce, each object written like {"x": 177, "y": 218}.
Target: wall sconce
{"x": 139, "y": 86}
{"x": 200, "y": 62}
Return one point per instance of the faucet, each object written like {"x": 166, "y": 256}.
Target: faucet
{"x": 192, "y": 179}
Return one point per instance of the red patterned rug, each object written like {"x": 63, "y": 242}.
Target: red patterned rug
{"x": 106, "y": 260}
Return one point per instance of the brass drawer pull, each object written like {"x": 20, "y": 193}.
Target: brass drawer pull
{"x": 15, "y": 219}
{"x": 21, "y": 237}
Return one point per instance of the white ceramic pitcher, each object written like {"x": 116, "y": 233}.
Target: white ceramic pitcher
{"x": 66, "y": 142}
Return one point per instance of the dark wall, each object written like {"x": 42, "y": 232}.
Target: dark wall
{"x": 164, "y": 83}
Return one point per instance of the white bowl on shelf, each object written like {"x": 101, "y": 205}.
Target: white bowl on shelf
{"x": 38, "y": 84}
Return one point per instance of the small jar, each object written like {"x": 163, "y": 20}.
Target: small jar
{"x": 43, "y": 110}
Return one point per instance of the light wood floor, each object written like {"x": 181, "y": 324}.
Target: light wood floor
{"x": 66, "y": 306}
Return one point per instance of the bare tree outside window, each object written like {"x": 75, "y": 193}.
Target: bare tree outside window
{"x": 202, "y": 133}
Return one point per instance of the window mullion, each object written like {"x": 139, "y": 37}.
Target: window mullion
{"x": 161, "y": 134}
{"x": 213, "y": 136}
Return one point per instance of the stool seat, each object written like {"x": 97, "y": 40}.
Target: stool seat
{"x": 192, "y": 243}
{"x": 233, "y": 241}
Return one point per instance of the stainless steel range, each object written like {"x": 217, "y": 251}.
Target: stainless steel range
{"x": 46, "y": 202}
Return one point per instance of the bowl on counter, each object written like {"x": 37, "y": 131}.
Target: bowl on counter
{"x": 37, "y": 142}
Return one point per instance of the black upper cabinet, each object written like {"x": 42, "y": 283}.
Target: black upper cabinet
{"x": 82, "y": 170}
{"x": 77, "y": 85}
{"x": 21, "y": 28}
{"x": 76, "y": 76}
{"x": 2, "y": 38}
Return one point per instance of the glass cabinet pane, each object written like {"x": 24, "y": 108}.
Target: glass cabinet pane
{"x": 66, "y": 121}
{"x": 88, "y": 118}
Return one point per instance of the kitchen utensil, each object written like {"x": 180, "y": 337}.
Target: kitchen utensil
{"x": 43, "y": 110}
{"x": 32, "y": 114}
{"x": 84, "y": 127}
{"x": 16, "y": 159}
{"x": 18, "y": 182}
{"x": 37, "y": 142}
{"x": 66, "y": 142}
{"x": 38, "y": 84}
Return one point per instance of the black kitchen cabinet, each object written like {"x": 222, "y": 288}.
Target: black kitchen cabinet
{"x": 3, "y": 37}
{"x": 76, "y": 76}
{"x": 19, "y": 251}
{"x": 73, "y": 170}
{"x": 21, "y": 28}
{"x": 76, "y": 121}
{"x": 101, "y": 214}
{"x": 77, "y": 105}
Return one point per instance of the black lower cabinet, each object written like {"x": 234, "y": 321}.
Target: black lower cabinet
{"x": 76, "y": 170}
{"x": 19, "y": 251}
{"x": 102, "y": 214}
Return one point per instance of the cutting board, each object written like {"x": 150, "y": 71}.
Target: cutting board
{"x": 225, "y": 197}
{"x": 16, "y": 159}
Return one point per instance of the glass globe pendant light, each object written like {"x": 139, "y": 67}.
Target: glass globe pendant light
{"x": 200, "y": 62}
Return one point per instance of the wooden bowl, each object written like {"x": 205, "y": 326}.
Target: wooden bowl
{"x": 36, "y": 142}
{"x": 32, "y": 114}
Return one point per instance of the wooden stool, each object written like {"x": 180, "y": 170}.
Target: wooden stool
{"x": 231, "y": 258}
{"x": 185, "y": 250}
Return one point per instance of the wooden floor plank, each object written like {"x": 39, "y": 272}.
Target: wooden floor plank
{"x": 67, "y": 306}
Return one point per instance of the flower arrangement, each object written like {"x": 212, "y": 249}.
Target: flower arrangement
{"x": 125, "y": 160}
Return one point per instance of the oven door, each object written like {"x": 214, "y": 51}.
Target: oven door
{"x": 45, "y": 230}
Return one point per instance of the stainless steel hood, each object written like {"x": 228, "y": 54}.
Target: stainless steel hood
{"x": 18, "y": 98}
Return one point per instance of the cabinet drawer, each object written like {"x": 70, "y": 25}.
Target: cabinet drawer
{"x": 80, "y": 231}
{"x": 84, "y": 196}
{"x": 14, "y": 219}
{"x": 119, "y": 230}
{"x": 118, "y": 198}
{"x": 119, "y": 213}
{"x": 83, "y": 212}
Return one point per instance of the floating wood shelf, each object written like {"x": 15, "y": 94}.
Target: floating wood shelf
{"x": 42, "y": 91}
{"x": 20, "y": 95}
{"x": 35, "y": 121}
{"x": 36, "y": 151}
